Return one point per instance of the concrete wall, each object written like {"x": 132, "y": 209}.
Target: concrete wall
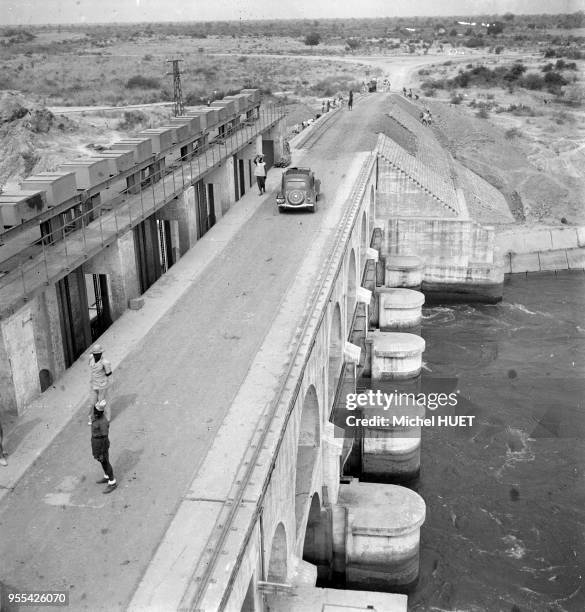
{"x": 541, "y": 249}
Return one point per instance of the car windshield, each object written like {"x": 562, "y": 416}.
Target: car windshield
{"x": 296, "y": 183}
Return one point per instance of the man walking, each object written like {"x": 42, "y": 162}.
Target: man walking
{"x": 260, "y": 173}
{"x": 100, "y": 371}
{"x": 350, "y": 100}
{"x": 100, "y": 445}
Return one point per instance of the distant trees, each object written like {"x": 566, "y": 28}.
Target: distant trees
{"x": 495, "y": 28}
{"x": 141, "y": 82}
{"x": 353, "y": 43}
{"x": 312, "y": 39}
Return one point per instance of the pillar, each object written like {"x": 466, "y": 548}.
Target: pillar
{"x": 19, "y": 370}
{"x": 183, "y": 211}
{"x": 404, "y": 271}
{"x": 400, "y": 309}
{"x": 391, "y": 452}
{"x": 224, "y": 187}
{"x": 48, "y": 338}
{"x": 382, "y": 535}
{"x": 118, "y": 261}
{"x": 396, "y": 355}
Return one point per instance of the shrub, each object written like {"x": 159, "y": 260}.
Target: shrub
{"x": 512, "y": 133}
{"x": 312, "y": 39}
{"x": 482, "y": 113}
{"x": 141, "y": 82}
{"x": 456, "y": 99}
{"x": 498, "y": 49}
{"x": 132, "y": 118}
{"x": 532, "y": 81}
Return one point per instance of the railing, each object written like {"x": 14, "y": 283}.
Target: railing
{"x": 62, "y": 249}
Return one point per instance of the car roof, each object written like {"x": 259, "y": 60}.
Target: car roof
{"x": 295, "y": 170}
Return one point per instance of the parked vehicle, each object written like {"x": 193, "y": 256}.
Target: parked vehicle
{"x": 299, "y": 189}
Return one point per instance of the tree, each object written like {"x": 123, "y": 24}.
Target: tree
{"x": 495, "y": 28}
{"x": 509, "y": 17}
{"x": 353, "y": 43}
{"x": 312, "y": 39}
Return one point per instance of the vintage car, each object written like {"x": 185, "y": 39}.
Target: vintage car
{"x": 299, "y": 189}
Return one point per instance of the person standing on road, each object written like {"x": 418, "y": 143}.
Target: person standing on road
{"x": 260, "y": 173}
{"x": 350, "y": 100}
{"x": 2, "y": 454}
{"x": 100, "y": 445}
{"x": 100, "y": 371}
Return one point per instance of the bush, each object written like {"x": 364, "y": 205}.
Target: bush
{"x": 132, "y": 118}
{"x": 312, "y": 39}
{"x": 498, "y": 49}
{"x": 456, "y": 99}
{"x": 512, "y": 133}
{"x": 141, "y": 82}
{"x": 532, "y": 81}
{"x": 482, "y": 113}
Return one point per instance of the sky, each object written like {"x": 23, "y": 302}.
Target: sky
{"x": 101, "y": 11}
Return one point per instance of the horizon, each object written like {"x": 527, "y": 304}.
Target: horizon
{"x": 124, "y": 12}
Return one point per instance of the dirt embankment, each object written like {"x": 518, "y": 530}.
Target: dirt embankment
{"x": 536, "y": 192}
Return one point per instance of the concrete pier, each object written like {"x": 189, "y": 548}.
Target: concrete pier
{"x": 400, "y": 309}
{"x": 382, "y": 535}
{"x": 404, "y": 271}
{"x": 392, "y": 454}
{"x": 396, "y": 355}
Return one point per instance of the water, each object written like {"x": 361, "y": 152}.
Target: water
{"x": 505, "y": 526}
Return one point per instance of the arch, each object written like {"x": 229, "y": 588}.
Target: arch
{"x": 318, "y": 541}
{"x": 249, "y": 604}
{"x": 277, "y": 565}
{"x": 350, "y": 295}
{"x": 372, "y": 211}
{"x": 335, "y": 349}
{"x": 364, "y": 242}
{"x": 307, "y": 449}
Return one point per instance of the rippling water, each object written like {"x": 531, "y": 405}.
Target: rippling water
{"x": 505, "y": 526}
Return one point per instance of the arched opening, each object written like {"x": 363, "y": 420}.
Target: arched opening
{"x": 364, "y": 242}
{"x": 249, "y": 605}
{"x": 372, "y": 209}
{"x": 307, "y": 449}
{"x": 45, "y": 379}
{"x": 317, "y": 547}
{"x": 277, "y": 570}
{"x": 351, "y": 290}
{"x": 335, "y": 349}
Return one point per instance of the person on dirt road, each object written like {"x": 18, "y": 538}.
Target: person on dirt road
{"x": 350, "y": 100}
{"x": 260, "y": 173}
{"x": 100, "y": 371}
{"x": 100, "y": 445}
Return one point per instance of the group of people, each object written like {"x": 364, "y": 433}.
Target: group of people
{"x": 409, "y": 94}
{"x": 426, "y": 117}
{"x": 100, "y": 415}
{"x": 100, "y": 372}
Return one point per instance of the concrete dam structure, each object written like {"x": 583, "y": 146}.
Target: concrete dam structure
{"x": 251, "y": 477}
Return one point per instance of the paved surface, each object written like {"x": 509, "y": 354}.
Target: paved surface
{"x": 170, "y": 394}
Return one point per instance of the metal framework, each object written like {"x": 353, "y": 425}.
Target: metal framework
{"x": 179, "y": 107}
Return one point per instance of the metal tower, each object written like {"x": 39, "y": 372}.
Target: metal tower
{"x": 179, "y": 107}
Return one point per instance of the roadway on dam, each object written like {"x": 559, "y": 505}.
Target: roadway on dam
{"x": 170, "y": 395}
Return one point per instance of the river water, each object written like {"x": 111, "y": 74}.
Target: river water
{"x": 505, "y": 527}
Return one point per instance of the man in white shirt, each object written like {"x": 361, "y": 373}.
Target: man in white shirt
{"x": 260, "y": 173}
{"x": 100, "y": 371}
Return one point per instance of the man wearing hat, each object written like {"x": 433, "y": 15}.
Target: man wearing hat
{"x": 100, "y": 445}
{"x": 100, "y": 372}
